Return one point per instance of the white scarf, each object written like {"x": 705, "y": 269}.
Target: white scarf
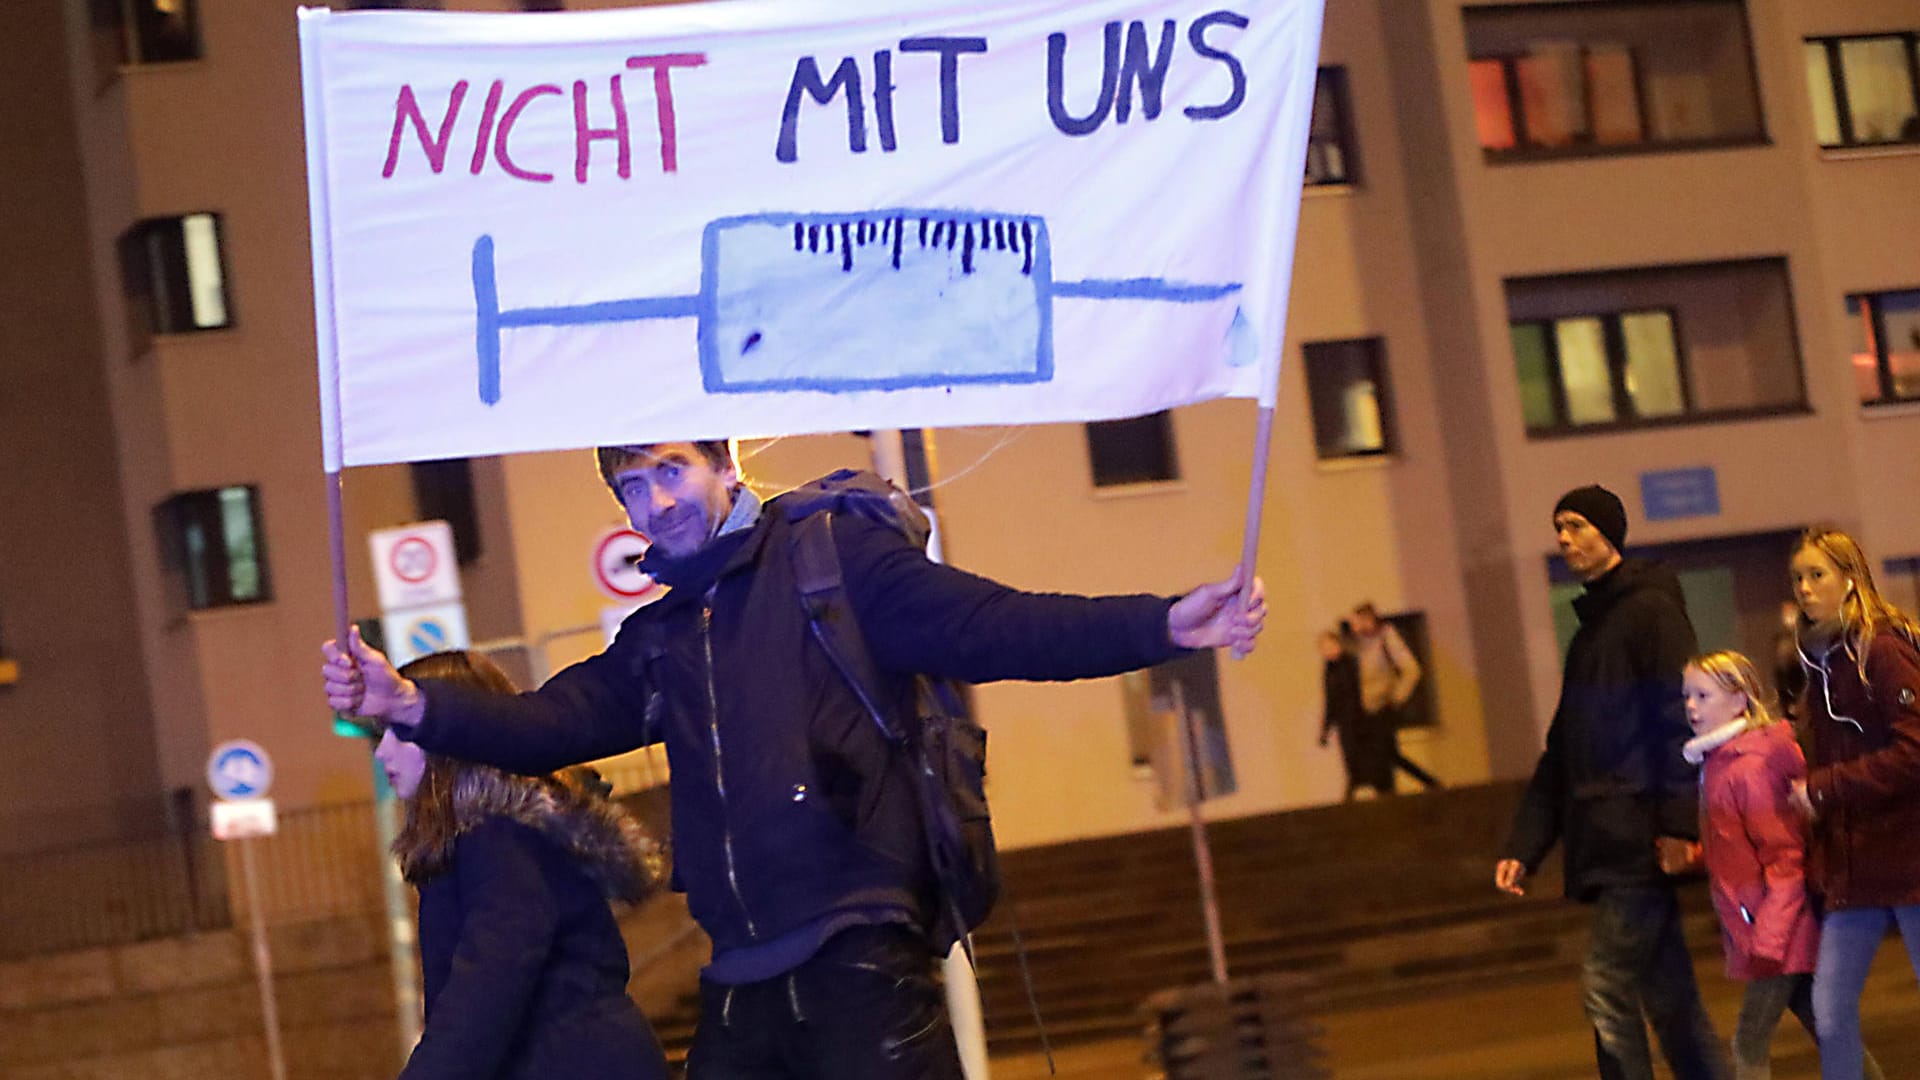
{"x": 1700, "y": 746}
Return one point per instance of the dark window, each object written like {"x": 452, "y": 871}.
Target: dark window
{"x": 1886, "y": 345}
{"x": 1347, "y": 391}
{"x": 1552, "y": 80}
{"x": 395, "y": 5}
{"x": 1866, "y": 90}
{"x": 1330, "y": 156}
{"x": 1628, "y": 348}
{"x": 541, "y": 5}
{"x": 1422, "y": 708}
{"x": 212, "y": 539}
{"x": 1134, "y": 451}
{"x": 173, "y": 273}
{"x": 1159, "y": 739}
{"x": 443, "y": 491}
{"x": 144, "y": 32}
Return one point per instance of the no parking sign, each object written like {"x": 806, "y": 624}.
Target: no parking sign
{"x": 415, "y": 632}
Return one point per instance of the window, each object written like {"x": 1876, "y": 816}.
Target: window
{"x": 1900, "y": 582}
{"x": 1599, "y": 369}
{"x": 1617, "y": 349}
{"x": 1864, "y": 89}
{"x": 212, "y": 539}
{"x": 172, "y": 272}
{"x": 1886, "y": 345}
{"x": 1157, "y": 737}
{"x": 1347, "y": 392}
{"x": 1134, "y": 451}
{"x": 1556, "y": 80}
{"x": 144, "y": 32}
{"x": 1330, "y": 158}
{"x": 443, "y": 491}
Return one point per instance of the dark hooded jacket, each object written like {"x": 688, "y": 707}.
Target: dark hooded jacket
{"x": 786, "y": 809}
{"x": 1612, "y": 778}
{"x": 521, "y": 959}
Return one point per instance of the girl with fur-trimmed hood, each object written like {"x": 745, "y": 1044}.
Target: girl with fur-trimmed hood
{"x": 522, "y": 961}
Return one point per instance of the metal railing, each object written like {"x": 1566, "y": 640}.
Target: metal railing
{"x": 111, "y": 894}
{"x": 323, "y": 861}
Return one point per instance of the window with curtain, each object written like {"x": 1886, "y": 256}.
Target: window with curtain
{"x": 1864, "y": 89}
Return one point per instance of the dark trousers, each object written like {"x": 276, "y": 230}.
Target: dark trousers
{"x": 865, "y": 1007}
{"x": 1638, "y": 972}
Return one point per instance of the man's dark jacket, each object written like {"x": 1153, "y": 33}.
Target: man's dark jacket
{"x": 785, "y": 807}
{"x": 1612, "y": 778}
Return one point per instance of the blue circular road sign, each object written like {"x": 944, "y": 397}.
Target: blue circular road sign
{"x": 239, "y": 769}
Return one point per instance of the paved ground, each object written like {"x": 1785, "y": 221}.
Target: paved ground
{"x": 1532, "y": 1030}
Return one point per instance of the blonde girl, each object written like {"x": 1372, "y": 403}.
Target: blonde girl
{"x": 1862, "y": 790}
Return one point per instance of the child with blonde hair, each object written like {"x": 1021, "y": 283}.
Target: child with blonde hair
{"x": 1753, "y": 847}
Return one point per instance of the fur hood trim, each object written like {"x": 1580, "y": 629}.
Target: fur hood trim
{"x": 1705, "y": 743}
{"x": 608, "y": 843}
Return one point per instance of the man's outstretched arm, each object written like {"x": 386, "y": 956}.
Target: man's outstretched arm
{"x": 586, "y": 712}
{"x": 922, "y": 616}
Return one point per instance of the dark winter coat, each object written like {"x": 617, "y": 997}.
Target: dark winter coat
{"x": 1612, "y": 778}
{"x": 522, "y": 962}
{"x": 786, "y": 807}
{"x": 1366, "y": 741}
{"x": 1864, "y": 774}
{"x": 1755, "y": 851}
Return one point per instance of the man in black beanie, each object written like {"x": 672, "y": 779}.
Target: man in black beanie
{"x": 1610, "y": 786}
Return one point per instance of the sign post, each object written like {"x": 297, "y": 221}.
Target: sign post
{"x": 240, "y": 774}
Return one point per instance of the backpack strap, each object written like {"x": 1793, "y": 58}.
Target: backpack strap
{"x": 823, "y": 594}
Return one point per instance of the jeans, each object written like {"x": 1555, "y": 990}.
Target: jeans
{"x": 865, "y": 1007}
{"x": 1848, "y": 940}
{"x": 1637, "y": 972}
{"x": 1760, "y": 1013}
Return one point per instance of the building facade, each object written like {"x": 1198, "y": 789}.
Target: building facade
{"x": 1664, "y": 245}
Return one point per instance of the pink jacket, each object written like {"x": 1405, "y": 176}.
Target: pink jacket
{"x": 1754, "y": 847}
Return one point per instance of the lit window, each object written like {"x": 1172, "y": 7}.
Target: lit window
{"x": 1607, "y": 77}
{"x": 1863, "y": 89}
{"x": 1133, "y": 451}
{"x": 212, "y": 540}
{"x": 1330, "y": 158}
{"x": 173, "y": 275}
{"x": 1886, "y": 345}
{"x": 1347, "y": 393}
{"x": 1588, "y": 370}
{"x": 1605, "y": 350}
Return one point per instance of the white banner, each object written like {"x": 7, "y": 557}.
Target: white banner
{"x": 761, "y": 217}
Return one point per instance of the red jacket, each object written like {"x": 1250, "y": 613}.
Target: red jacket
{"x": 1864, "y": 778}
{"x": 1753, "y": 846}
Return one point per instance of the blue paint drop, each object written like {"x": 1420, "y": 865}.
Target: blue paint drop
{"x": 1243, "y": 342}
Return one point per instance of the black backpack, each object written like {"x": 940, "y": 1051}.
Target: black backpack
{"x": 944, "y": 750}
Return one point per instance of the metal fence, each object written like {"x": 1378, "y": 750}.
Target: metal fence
{"x": 111, "y": 894}
{"x": 323, "y": 861}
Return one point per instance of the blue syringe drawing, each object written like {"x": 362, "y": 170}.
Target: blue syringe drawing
{"x": 878, "y": 300}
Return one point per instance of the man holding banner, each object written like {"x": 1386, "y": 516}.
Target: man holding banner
{"x": 795, "y": 837}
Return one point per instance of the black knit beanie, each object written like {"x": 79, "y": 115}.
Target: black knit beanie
{"x": 1601, "y": 508}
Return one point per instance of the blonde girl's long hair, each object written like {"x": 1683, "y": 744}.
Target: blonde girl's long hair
{"x": 1736, "y": 674}
{"x": 1864, "y": 613}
